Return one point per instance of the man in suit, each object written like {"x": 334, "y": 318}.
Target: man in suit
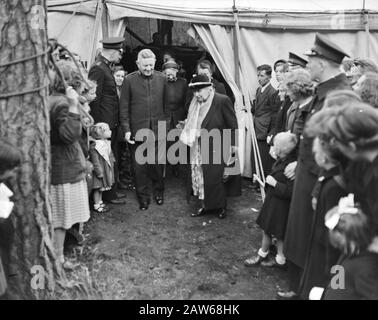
{"x": 324, "y": 66}
{"x": 142, "y": 106}
{"x": 105, "y": 108}
{"x": 264, "y": 110}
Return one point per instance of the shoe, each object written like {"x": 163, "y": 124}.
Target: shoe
{"x": 159, "y": 200}
{"x": 253, "y": 261}
{"x": 143, "y": 206}
{"x": 100, "y": 208}
{"x": 200, "y": 212}
{"x": 287, "y": 295}
{"x": 272, "y": 263}
{"x": 222, "y": 213}
{"x": 117, "y": 201}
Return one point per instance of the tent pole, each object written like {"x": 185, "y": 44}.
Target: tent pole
{"x": 104, "y": 21}
{"x": 367, "y": 33}
{"x": 96, "y": 29}
{"x": 236, "y": 45}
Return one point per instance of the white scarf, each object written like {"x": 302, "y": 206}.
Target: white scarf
{"x": 196, "y": 114}
{"x": 103, "y": 147}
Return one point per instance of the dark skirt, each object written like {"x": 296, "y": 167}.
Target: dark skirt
{"x": 273, "y": 215}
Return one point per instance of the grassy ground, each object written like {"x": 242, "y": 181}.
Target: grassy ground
{"x": 163, "y": 253}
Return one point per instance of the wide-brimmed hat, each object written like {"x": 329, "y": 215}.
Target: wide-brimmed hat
{"x": 200, "y": 81}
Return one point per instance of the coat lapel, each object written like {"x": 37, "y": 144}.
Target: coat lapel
{"x": 210, "y": 112}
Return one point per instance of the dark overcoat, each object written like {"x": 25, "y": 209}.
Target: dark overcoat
{"x": 273, "y": 215}
{"x": 143, "y": 102}
{"x": 361, "y": 274}
{"x": 105, "y": 108}
{"x": 321, "y": 255}
{"x": 362, "y": 180}
{"x": 281, "y": 117}
{"x": 221, "y": 115}
{"x": 301, "y": 212}
{"x": 176, "y": 95}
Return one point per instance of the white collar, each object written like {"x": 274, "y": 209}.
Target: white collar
{"x": 264, "y": 87}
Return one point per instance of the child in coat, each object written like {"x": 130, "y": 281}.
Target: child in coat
{"x": 356, "y": 275}
{"x": 102, "y": 157}
{"x": 275, "y": 210}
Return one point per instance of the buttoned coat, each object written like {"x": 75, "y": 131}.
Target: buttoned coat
{"x": 105, "y": 108}
{"x": 301, "y": 212}
{"x": 143, "y": 102}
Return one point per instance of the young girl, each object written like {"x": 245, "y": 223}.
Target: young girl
{"x": 352, "y": 232}
{"x": 327, "y": 193}
{"x": 102, "y": 157}
{"x": 10, "y": 158}
{"x": 275, "y": 210}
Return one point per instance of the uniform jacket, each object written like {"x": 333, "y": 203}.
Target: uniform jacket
{"x": 340, "y": 82}
{"x": 301, "y": 212}
{"x": 264, "y": 109}
{"x": 143, "y": 102}
{"x": 67, "y": 158}
{"x": 105, "y": 108}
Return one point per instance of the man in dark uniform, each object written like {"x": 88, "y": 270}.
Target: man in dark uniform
{"x": 105, "y": 108}
{"x": 324, "y": 66}
{"x": 296, "y": 62}
{"x": 142, "y": 106}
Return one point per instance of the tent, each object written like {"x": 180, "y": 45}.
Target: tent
{"x": 239, "y": 34}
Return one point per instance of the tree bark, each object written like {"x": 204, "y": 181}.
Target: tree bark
{"x": 24, "y": 121}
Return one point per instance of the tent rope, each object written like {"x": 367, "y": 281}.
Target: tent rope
{"x": 24, "y": 59}
{"x": 70, "y": 18}
{"x": 20, "y": 93}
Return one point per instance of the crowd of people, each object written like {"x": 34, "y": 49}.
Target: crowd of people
{"x": 317, "y": 136}
{"x": 320, "y": 208}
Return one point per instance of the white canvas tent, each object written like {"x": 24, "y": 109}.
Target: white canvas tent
{"x": 239, "y": 37}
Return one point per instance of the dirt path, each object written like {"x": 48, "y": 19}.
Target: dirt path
{"x": 163, "y": 253}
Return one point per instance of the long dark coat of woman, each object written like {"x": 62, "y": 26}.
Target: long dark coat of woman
{"x": 274, "y": 212}
{"x": 221, "y": 115}
{"x": 321, "y": 255}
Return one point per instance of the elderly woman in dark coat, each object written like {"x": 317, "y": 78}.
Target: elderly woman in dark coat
{"x": 210, "y": 156}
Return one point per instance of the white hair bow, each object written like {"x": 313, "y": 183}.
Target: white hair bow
{"x": 346, "y": 205}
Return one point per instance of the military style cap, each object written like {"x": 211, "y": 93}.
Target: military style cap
{"x": 112, "y": 43}
{"x": 200, "y": 81}
{"x": 296, "y": 60}
{"x": 326, "y": 49}
{"x": 170, "y": 64}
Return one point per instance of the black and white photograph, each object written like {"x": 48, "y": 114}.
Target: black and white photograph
{"x": 188, "y": 155}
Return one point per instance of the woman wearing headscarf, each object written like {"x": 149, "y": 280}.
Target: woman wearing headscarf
{"x": 210, "y": 131}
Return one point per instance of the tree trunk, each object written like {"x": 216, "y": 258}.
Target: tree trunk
{"x": 24, "y": 121}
